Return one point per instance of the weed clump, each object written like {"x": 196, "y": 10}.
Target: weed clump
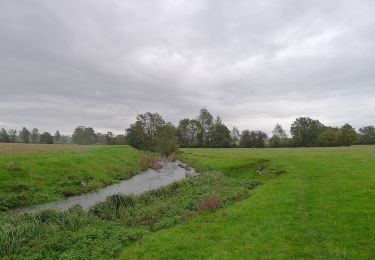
{"x": 210, "y": 203}
{"x": 150, "y": 162}
{"x": 14, "y": 166}
{"x": 171, "y": 157}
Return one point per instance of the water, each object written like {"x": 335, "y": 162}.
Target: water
{"x": 145, "y": 181}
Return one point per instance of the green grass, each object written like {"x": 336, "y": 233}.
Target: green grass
{"x": 32, "y": 174}
{"x": 314, "y": 203}
{"x": 323, "y": 206}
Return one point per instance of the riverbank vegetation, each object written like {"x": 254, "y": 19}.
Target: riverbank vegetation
{"x": 121, "y": 220}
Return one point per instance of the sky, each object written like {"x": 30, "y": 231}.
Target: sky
{"x": 254, "y": 63}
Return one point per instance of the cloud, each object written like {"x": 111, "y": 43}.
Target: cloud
{"x": 255, "y": 63}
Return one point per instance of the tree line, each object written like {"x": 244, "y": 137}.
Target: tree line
{"x": 81, "y": 135}
{"x": 151, "y": 132}
{"x": 26, "y": 136}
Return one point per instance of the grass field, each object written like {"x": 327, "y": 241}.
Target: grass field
{"x": 322, "y": 207}
{"x": 245, "y": 204}
{"x": 120, "y": 221}
{"x": 32, "y": 173}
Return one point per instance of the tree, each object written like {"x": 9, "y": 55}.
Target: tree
{"x": 35, "y": 135}
{"x": 84, "y": 135}
{"x": 4, "y": 138}
{"x": 12, "y": 134}
{"x": 347, "y": 135}
{"x": 143, "y": 133}
{"x": 46, "y": 138}
{"x": 306, "y": 131}
{"x": 99, "y": 138}
{"x": 189, "y": 133}
{"x": 328, "y": 137}
{"x": 367, "y": 135}
{"x": 24, "y": 135}
{"x": 206, "y": 121}
{"x": 259, "y": 139}
{"x": 57, "y": 136}
{"x": 109, "y": 138}
{"x": 65, "y": 139}
{"x": 245, "y": 139}
{"x": 279, "y": 137}
{"x": 235, "y": 137}
{"x": 219, "y": 134}
{"x": 136, "y": 136}
{"x": 255, "y": 139}
{"x": 120, "y": 139}
{"x": 166, "y": 139}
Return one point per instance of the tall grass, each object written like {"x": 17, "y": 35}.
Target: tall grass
{"x": 13, "y": 235}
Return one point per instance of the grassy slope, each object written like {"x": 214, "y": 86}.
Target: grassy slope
{"x": 323, "y": 207}
{"x": 43, "y": 173}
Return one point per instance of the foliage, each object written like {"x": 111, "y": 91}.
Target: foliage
{"x": 109, "y": 138}
{"x": 255, "y": 139}
{"x": 57, "y": 137}
{"x": 46, "y": 138}
{"x": 189, "y": 133}
{"x": 279, "y": 137}
{"x": 84, "y": 135}
{"x": 367, "y": 135}
{"x": 306, "y": 131}
{"x": 144, "y": 132}
{"x": 235, "y": 137}
{"x": 206, "y": 121}
{"x": 4, "y": 137}
{"x": 328, "y": 137}
{"x": 12, "y": 135}
{"x": 166, "y": 139}
{"x": 34, "y": 135}
{"x": 219, "y": 135}
{"x": 347, "y": 135}
{"x": 24, "y": 135}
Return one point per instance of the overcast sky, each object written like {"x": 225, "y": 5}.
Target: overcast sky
{"x": 254, "y": 63}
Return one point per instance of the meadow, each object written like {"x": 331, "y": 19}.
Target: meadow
{"x": 245, "y": 204}
{"x": 321, "y": 207}
{"x": 121, "y": 220}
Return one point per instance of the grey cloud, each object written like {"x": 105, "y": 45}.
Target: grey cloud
{"x": 255, "y": 63}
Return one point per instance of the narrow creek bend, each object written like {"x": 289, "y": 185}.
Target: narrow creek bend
{"x": 142, "y": 182}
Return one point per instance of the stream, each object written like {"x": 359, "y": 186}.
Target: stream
{"x": 142, "y": 182}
